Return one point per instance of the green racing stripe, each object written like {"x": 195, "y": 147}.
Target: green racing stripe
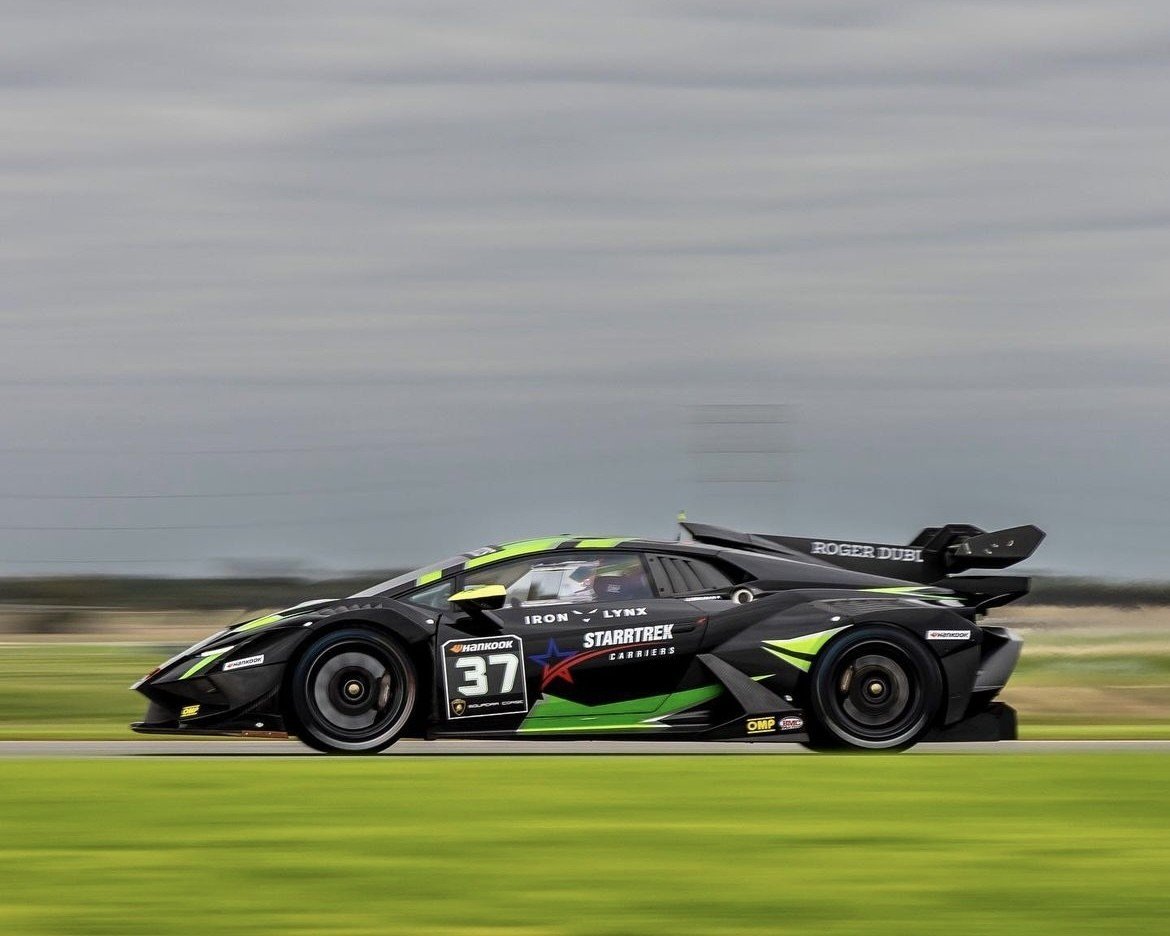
{"x": 259, "y": 622}
{"x": 205, "y": 661}
{"x": 526, "y": 547}
{"x": 552, "y": 713}
{"x": 800, "y": 651}
{"x": 513, "y": 550}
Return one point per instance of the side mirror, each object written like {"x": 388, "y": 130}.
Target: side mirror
{"x": 480, "y": 598}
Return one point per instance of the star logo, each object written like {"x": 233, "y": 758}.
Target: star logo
{"x": 550, "y": 661}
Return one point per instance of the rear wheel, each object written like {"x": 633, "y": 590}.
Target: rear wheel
{"x": 876, "y": 688}
{"x": 353, "y": 692}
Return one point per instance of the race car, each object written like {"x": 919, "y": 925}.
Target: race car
{"x": 718, "y": 635}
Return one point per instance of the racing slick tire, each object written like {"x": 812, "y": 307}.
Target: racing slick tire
{"x": 875, "y": 688}
{"x": 352, "y": 692}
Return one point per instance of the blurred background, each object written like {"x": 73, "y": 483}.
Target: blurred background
{"x": 324, "y": 288}
{"x": 295, "y": 295}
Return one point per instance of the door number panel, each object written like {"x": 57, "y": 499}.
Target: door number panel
{"x": 484, "y": 676}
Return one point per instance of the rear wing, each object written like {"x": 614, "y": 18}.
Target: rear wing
{"x": 933, "y": 554}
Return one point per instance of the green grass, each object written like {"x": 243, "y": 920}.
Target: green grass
{"x": 1094, "y": 669}
{"x": 1094, "y": 731}
{"x": 599, "y": 845}
{"x": 72, "y": 690}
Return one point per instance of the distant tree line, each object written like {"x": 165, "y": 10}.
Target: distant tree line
{"x": 143, "y": 592}
{"x": 1066, "y": 590}
{"x": 109, "y": 591}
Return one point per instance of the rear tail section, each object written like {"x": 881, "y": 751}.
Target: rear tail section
{"x": 934, "y": 554}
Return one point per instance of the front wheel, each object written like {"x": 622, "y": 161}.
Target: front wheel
{"x": 352, "y": 691}
{"x": 876, "y": 688}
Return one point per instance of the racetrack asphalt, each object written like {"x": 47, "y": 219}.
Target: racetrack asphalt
{"x": 266, "y": 748}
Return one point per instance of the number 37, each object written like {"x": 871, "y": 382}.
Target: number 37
{"x": 477, "y": 677}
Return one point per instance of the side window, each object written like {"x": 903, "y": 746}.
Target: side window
{"x": 433, "y": 596}
{"x": 566, "y": 578}
{"x": 679, "y": 575}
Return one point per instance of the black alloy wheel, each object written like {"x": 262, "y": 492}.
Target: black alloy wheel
{"x": 875, "y": 688}
{"x": 352, "y": 692}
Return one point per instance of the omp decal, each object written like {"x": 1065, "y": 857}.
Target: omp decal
{"x": 427, "y": 577}
{"x": 553, "y": 713}
{"x": 189, "y": 711}
{"x": 259, "y": 622}
{"x": 205, "y": 660}
{"x": 767, "y": 724}
{"x": 948, "y": 635}
{"x": 800, "y": 651}
{"x": 243, "y": 662}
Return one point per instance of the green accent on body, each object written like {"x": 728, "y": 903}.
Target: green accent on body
{"x": 259, "y": 622}
{"x": 799, "y": 651}
{"x": 427, "y": 577}
{"x": 526, "y": 547}
{"x": 552, "y": 713}
{"x": 477, "y": 592}
{"x": 205, "y": 661}
{"x": 513, "y": 550}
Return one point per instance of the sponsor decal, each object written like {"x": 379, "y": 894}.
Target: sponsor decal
{"x": 619, "y": 645}
{"x": 245, "y": 661}
{"x": 624, "y": 612}
{"x": 948, "y": 635}
{"x": 641, "y": 654}
{"x": 189, "y": 711}
{"x": 867, "y": 551}
{"x": 791, "y": 723}
{"x": 761, "y": 725}
{"x": 484, "y": 646}
{"x": 656, "y": 633}
{"x": 484, "y": 677}
{"x": 586, "y": 616}
{"x": 558, "y": 618}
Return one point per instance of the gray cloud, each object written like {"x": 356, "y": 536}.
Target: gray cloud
{"x": 500, "y": 250}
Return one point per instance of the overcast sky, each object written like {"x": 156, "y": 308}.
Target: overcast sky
{"x": 365, "y": 284}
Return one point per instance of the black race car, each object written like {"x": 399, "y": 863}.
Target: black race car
{"x": 720, "y": 635}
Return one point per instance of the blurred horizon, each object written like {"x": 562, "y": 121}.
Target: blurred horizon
{"x": 357, "y": 287}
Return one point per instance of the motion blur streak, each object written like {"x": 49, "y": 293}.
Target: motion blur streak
{"x": 505, "y": 248}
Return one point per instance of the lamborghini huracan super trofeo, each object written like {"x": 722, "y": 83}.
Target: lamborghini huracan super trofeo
{"x": 720, "y": 635}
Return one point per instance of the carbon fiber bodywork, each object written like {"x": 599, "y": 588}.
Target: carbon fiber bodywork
{"x": 724, "y": 645}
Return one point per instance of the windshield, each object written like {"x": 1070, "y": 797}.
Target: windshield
{"x": 409, "y": 578}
